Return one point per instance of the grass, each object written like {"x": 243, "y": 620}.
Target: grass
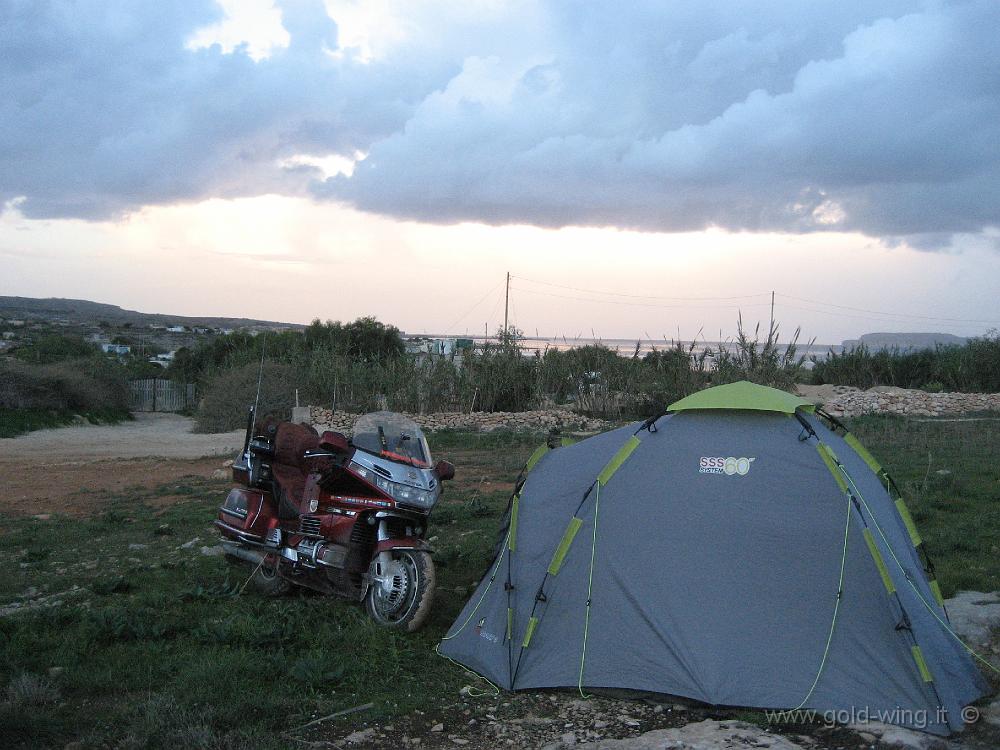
{"x": 157, "y": 647}
{"x": 14, "y": 422}
{"x": 950, "y": 478}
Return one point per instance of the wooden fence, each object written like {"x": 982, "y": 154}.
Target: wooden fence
{"x": 157, "y": 394}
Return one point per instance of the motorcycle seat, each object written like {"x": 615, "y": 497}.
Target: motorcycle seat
{"x": 289, "y": 467}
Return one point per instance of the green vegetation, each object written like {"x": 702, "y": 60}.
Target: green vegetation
{"x": 14, "y": 422}
{"x": 55, "y": 347}
{"x": 161, "y": 647}
{"x": 971, "y": 368}
{"x": 329, "y": 366}
{"x": 37, "y": 396}
{"x": 950, "y": 479}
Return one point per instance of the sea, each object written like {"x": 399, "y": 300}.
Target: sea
{"x": 629, "y": 347}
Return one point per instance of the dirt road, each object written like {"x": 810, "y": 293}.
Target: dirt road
{"x": 150, "y": 435}
{"x": 70, "y": 469}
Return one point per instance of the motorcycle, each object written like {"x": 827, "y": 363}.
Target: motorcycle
{"x": 345, "y": 517}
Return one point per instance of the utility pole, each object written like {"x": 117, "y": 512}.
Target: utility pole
{"x": 772, "y": 310}
{"x": 506, "y": 305}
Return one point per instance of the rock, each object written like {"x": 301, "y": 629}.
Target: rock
{"x": 991, "y": 714}
{"x": 702, "y": 735}
{"x": 458, "y": 740}
{"x": 220, "y": 474}
{"x": 973, "y": 616}
{"x": 136, "y": 546}
{"x": 628, "y": 721}
{"x": 437, "y": 728}
{"x": 568, "y": 739}
{"x": 189, "y": 545}
{"x": 898, "y": 737}
{"x": 215, "y": 551}
{"x": 362, "y": 735}
{"x": 43, "y": 517}
{"x": 56, "y": 671}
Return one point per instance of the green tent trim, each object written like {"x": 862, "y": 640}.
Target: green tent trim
{"x": 743, "y": 395}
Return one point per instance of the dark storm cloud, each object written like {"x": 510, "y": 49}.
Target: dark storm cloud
{"x": 881, "y": 117}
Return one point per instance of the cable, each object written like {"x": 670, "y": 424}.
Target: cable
{"x": 466, "y": 313}
{"x": 879, "y": 312}
{"x": 639, "y": 296}
{"x": 636, "y": 304}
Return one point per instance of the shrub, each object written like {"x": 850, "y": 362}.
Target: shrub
{"x": 84, "y": 385}
{"x": 31, "y": 690}
{"x": 973, "y": 367}
{"x": 228, "y": 396}
{"x": 765, "y": 363}
{"x": 55, "y": 347}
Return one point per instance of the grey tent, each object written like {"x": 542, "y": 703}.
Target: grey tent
{"x": 739, "y": 550}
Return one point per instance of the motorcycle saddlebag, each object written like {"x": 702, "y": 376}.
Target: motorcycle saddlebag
{"x": 246, "y": 514}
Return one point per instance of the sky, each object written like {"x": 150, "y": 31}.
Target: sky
{"x": 648, "y": 169}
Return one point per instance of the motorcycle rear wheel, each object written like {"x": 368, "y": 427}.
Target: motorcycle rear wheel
{"x": 407, "y": 605}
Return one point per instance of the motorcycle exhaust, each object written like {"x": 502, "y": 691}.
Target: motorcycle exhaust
{"x": 242, "y": 553}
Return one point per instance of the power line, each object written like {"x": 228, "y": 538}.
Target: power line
{"x": 859, "y": 317}
{"x": 477, "y": 304}
{"x": 641, "y": 304}
{"x": 639, "y": 296}
{"x": 878, "y": 312}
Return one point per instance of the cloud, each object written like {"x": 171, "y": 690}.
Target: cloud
{"x": 877, "y": 117}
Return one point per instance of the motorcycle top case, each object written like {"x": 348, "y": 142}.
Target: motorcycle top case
{"x": 246, "y": 512}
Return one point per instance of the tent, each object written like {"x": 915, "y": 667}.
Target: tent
{"x": 742, "y": 549}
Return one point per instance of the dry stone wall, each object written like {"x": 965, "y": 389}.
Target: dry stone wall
{"x": 541, "y": 420}
{"x": 852, "y": 402}
{"x": 841, "y": 401}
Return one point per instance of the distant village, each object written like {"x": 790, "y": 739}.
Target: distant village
{"x": 157, "y": 343}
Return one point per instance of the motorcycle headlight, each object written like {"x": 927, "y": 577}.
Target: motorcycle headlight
{"x": 404, "y": 493}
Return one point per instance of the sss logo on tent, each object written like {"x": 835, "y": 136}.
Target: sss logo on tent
{"x": 728, "y": 465}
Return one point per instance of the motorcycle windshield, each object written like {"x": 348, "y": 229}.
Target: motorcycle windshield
{"x": 392, "y": 436}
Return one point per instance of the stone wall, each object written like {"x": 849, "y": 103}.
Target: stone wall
{"x": 840, "y": 401}
{"x": 541, "y": 420}
{"x": 852, "y": 402}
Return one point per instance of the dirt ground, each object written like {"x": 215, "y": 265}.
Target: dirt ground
{"x": 70, "y": 470}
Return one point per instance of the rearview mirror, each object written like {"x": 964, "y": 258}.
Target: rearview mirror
{"x": 445, "y": 470}
{"x": 335, "y": 442}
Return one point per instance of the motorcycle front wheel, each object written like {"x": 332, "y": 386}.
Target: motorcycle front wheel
{"x": 401, "y": 597}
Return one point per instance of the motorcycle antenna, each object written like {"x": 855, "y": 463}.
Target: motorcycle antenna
{"x": 252, "y": 416}
{"x": 260, "y": 372}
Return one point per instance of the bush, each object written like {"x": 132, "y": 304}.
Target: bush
{"x": 228, "y": 396}
{"x": 86, "y": 385}
{"x": 765, "y": 363}
{"x": 972, "y": 368}
{"x": 56, "y": 347}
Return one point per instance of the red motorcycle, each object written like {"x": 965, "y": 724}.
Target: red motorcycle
{"x": 342, "y": 517}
